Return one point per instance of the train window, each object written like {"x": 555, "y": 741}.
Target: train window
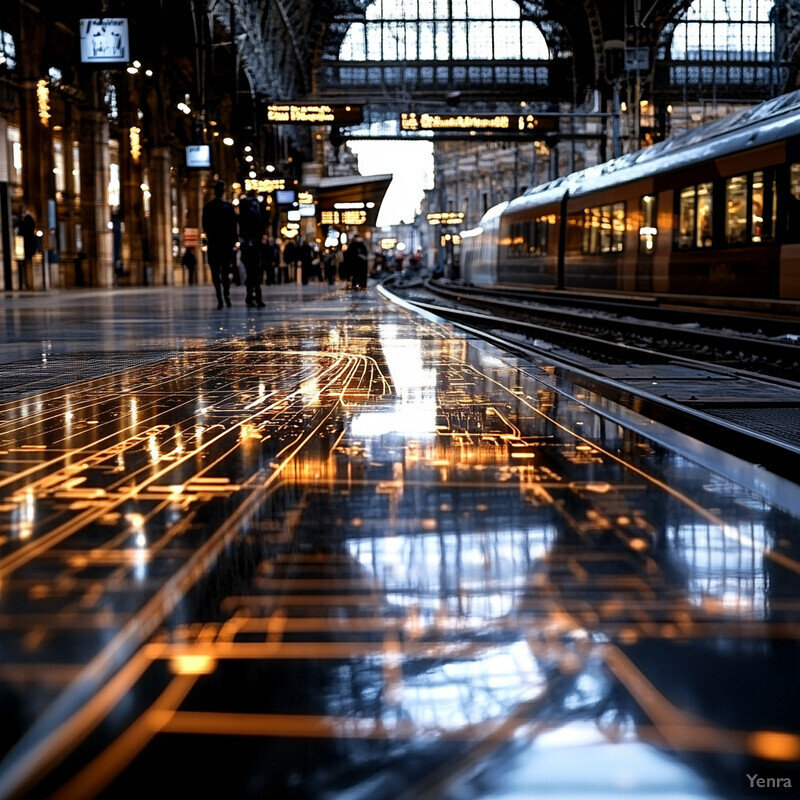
{"x": 736, "y": 210}
{"x": 705, "y": 210}
{"x": 793, "y": 216}
{"x": 648, "y": 230}
{"x": 687, "y": 207}
{"x": 763, "y": 207}
{"x": 527, "y": 238}
{"x": 591, "y": 230}
{"x": 604, "y": 229}
{"x": 617, "y": 227}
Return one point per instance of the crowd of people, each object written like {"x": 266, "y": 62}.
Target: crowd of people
{"x": 241, "y": 235}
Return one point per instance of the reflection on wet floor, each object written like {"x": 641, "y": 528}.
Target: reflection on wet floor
{"x": 363, "y": 556}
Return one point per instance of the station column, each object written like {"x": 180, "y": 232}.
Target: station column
{"x": 95, "y": 213}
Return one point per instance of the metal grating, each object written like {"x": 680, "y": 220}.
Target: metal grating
{"x": 780, "y": 423}
{"x": 56, "y": 371}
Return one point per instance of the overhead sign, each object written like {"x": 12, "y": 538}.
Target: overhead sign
{"x": 265, "y": 186}
{"x": 104, "y": 41}
{"x": 477, "y": 122}
{"x": 343, "y": 218}
{"x": 446, "y": 218}
{"x": 198, "y": 156}
{"x": 292, "y": 114}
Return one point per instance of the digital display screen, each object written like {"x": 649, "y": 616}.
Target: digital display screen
{"x": 198, "y": 156}
{"x": 285, "y": 197}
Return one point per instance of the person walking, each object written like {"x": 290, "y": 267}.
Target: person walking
{"x": 189, "y": 261}
{"x": 219, "y": 224}
{"x": 251, "y": 230}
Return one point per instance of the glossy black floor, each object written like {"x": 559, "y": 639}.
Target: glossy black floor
{"x": 329, "y": 549}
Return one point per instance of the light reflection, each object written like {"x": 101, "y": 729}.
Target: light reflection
{"x": 414, "y": 412}
{"x": 725, "y": 566}
{"x": 152, "y": 447}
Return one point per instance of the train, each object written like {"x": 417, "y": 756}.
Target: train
{"x": 714, "y": 211}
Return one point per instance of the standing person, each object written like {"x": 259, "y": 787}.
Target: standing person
{"x": 251, "y": 231}
{"x": 282, "y": 271}
{"x": 219, "y": 224}
{"x": 358, "y": 258}
{"x": 305, "y": 257}
{"x": 30, "y": 243}
{"x": 329, "y": 266}
{"x": 289, "y": 257}
{"x": 270, "y": 255}
{"x": 189, "y": 261}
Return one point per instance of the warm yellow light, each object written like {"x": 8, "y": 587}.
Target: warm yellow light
{"x": 189, "y": 664}
{"x": 43, "y": 100}
{"x": 136, "y": 143}
{"x": 774, "y": 745}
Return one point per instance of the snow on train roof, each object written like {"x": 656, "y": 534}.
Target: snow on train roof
{"x": 768, "y": 121}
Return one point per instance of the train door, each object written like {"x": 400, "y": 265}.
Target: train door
{"x": 647, "y": 242}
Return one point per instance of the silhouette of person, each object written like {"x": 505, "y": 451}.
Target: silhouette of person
{"x": 219, "y": 224}
{"x": 251, "y": 230}
{"x": 189, "y": 261}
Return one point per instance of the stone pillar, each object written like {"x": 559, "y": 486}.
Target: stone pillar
{"x": 134, "y": 241}
{"x": 95, "y": 213}
{"x": 161, "y": 217}
{"x": 194, "y": 195}
{"x": 38, "y": 184}
{"x": 6, "y": 225}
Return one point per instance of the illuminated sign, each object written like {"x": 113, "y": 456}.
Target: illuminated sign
{"x": 343, "y": 218}
{"x": 198, "y": 156}
{"x": 265, "y": 186}
{"x": 388, "y": 244}
{"x": 285, "y": 197}
{"x": 292, "y": 114}
{"x": 446, "y": 218}
{"x": 477, "y": 122}
{"x": 104, "y": 41}
{"x": 305, "y": 198}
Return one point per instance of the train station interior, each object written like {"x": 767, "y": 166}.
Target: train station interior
{"x": 399, "y": 399}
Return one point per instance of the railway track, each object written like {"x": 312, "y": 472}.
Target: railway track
{"x": 734, "y": 390}
{"x": 764, "y": 345}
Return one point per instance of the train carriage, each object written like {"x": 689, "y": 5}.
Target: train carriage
{"x": 714, "y": 211}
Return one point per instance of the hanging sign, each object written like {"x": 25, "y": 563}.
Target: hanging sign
{"x": 104, "y": 41}
{"x": 512, "y": 123}
{"x": 295, "y": 114}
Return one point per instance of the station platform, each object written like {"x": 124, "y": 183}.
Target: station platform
{"x": 332, "y": 549}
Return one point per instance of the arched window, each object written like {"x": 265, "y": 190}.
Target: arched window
{"x": 723, "y": 43}
{"x": 442, "y": 30}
